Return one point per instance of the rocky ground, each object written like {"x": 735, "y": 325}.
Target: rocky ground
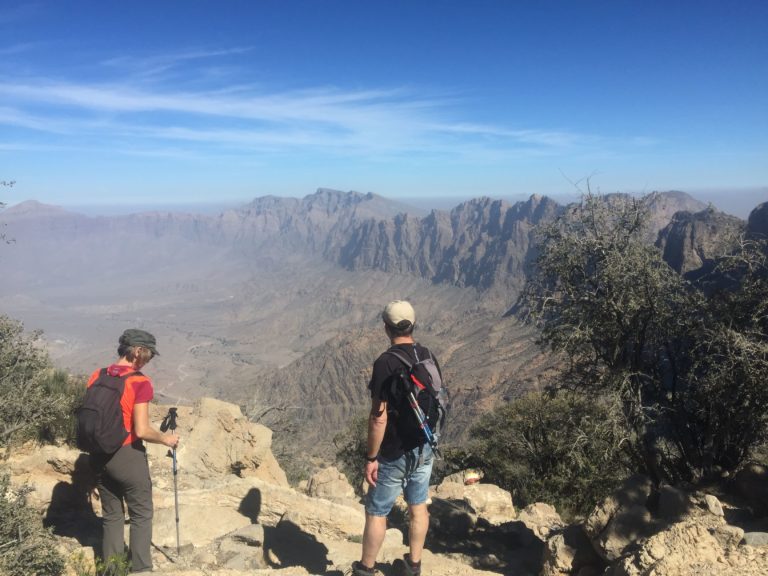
{"x": 238, "y": 515}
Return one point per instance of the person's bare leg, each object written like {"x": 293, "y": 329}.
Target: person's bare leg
{"x": 418, "y": 526}
{"x": 373, "y": 537}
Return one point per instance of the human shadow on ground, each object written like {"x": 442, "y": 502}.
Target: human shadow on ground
{"x": 70, "y": 512}
{"x": 510, "y": 548}
{"x": 291, "y": 546}
{"x": 250, "y": 505}
{"x": 286, "y": 544}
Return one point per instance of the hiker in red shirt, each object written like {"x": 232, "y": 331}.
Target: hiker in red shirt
{"x": 124, "y": 475}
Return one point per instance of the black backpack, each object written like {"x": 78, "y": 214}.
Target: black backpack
{"x": 423, "y": 380}
{"x": 100, "y": 426}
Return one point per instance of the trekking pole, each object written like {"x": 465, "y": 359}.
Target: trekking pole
{"x": 170, "y": 422}
{"x": 423, "y": 424}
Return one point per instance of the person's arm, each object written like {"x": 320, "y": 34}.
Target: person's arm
{"x": 377, "y": 425}
{"x": 145, "y": 431}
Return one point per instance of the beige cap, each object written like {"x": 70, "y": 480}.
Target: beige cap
{"x": 399, "y": 314}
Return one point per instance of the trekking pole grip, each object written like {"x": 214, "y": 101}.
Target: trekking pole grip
{"x": 169, "y": 422}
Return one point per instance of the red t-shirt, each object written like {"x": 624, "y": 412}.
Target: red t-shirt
{"x": 138, "y": 390}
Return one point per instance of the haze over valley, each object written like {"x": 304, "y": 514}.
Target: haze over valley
{"x": 275, "y": 305}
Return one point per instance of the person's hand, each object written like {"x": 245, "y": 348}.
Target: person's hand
{"x": 171, "y": 440}
{"x": 372, "y": 472}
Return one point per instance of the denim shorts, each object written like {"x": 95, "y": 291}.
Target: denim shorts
{"x": 401, "y": 475}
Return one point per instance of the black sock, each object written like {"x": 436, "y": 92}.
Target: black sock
{"x": 411, "y": 563}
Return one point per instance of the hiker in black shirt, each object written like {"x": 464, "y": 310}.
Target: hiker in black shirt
{"x": 395, "y": 461}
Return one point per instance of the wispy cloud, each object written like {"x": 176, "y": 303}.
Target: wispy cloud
{"x": 242, "y": 118}
{"x": 42, "y": 122}
{"x": 158, "y": 64}
{"x": 545, "y": 138}
{"x": 19, "y": 48}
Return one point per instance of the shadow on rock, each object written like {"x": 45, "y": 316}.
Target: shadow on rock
{"x": 70, "y": 513}
{"x": 509, "y": 548}
{"x": 250, "y": 506}
{"x": 287, "y": 545}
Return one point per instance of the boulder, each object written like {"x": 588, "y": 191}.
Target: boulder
{"x": 621, "y": 519}
{"x": 626, "y": 527}
{"x": 219, "y": 519}
{"x": 570, "y": 552}
{"x": 713, "y": 505}
{"x": 541, "y": 519}
{"x": 218, "y": 440}
{"x": 674, "y": 503}
{"x": 756, "y": 539}
{"x": 690, "y": 548}
{"x": 451, "y": 518}
{"x": 728, "y": 536}
{"x": 252, "y": 535}
{"x": 238, "y": 555}
{"x": 330, "y": 484}
{"x": 58, "y": 475}
{"x": 752, "y": 484}
{"x": 486, "y": 501}
{"x": 212, "y": 408}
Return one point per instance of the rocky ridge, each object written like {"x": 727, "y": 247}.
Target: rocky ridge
{"x": 238, "y": 515}
{"x": 480, "y": 243}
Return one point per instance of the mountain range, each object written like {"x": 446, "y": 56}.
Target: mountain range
{"x": 275, "y": 305}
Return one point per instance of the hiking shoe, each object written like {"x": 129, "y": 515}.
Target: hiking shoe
{"x": 358, "y": 569}
{"x": 405, "y": 568}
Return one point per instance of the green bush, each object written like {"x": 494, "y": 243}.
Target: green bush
{"x": 36, "y": 401}
{"x": 351, "y": 449}
{"x": 26, "y": 548}
{"x": 29, "y": 399}
{"x": 564, "y": 450}
{"x": 70, "y": 390}
{"x": 116, "y": 566}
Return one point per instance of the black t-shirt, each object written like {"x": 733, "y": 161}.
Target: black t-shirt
{"x": 386, "y": 370}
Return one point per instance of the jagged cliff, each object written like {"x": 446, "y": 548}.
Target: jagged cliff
{"x": 480, "y": 243}
{"x": 757, "y": 225}
{"x": 693, "y": 240}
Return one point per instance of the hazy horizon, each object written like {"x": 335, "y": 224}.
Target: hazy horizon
{"x": 736, "y": 202}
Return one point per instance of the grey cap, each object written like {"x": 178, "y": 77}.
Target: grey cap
{"x": 136, "y": 337}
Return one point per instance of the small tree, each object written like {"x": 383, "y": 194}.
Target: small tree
{"x": 684, "y": 361}
{"x": 726, "y": 401}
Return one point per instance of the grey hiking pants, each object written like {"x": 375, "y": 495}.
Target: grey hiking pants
{"x": 125, "y": 478}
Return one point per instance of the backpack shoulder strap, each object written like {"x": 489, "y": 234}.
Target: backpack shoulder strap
{"x": 103, "y": 372}
{"x": 400, "y": 356}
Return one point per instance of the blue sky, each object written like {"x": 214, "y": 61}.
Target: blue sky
{"x": 183, "y": 101}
